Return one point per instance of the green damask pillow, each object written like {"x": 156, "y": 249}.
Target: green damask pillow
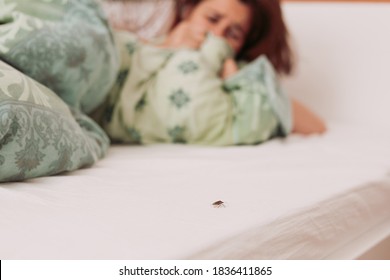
{"x": 66, "y": 45}
{"x": 39, "y": 134}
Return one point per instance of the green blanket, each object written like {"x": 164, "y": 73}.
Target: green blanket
{"x": 58, "y": 62}
{"x": 165, "y": 95}
{"x": 64, "y": 44}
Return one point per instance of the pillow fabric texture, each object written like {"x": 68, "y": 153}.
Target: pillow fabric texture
{"x": 39, "y": 134}
{"x": 66, "y": 45}
{"x": 58, "y": 62}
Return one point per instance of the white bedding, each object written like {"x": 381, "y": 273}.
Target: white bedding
{"x": 303, "y": 197}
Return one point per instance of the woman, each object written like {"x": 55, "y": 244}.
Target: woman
{"x": 267, "y": 35}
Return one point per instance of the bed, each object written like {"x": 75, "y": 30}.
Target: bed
{"x": 313, "y": 197}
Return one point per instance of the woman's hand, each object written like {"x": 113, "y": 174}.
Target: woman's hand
{"x": 229, "y": 68}
{"x": 184, "y": 36}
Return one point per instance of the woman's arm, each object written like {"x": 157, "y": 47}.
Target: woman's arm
{"x": 306, "y": 121}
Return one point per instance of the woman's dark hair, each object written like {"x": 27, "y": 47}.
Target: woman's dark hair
{"x": 268, "y": 34}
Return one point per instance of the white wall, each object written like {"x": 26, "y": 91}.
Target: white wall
{"x": 344, "y": 60}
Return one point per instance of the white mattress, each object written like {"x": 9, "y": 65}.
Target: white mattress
{"x": 299, "y": 198}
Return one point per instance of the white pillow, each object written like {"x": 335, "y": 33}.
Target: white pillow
{"x": 147, "y": 18}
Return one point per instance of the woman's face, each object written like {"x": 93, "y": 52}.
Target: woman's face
{"x": 229, "y": 19}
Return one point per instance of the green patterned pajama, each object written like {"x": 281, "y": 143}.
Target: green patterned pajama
{"x": 177, "y": 96}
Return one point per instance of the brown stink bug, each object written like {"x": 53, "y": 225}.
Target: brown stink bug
{"x": 218, "y": 204}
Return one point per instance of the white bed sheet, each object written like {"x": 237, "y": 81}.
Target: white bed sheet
{"x": 299, "y": 198}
